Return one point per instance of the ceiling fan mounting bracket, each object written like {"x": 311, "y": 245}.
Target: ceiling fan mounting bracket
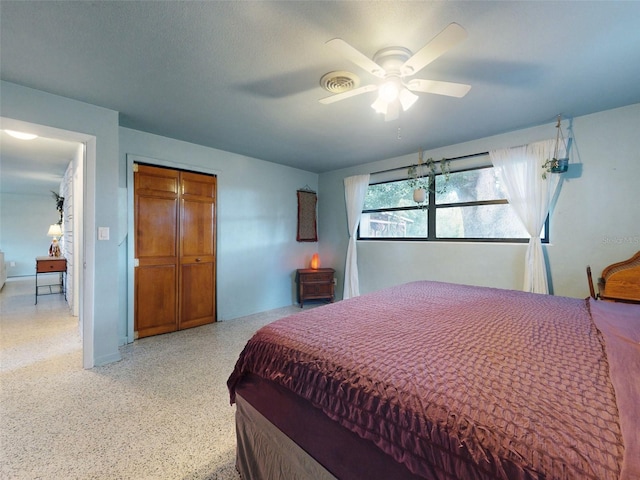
{"x": 392, "y": 58}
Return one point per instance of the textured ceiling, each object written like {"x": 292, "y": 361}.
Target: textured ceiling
{"x": 244, "y": 76}
{"x": 33, "y": 166}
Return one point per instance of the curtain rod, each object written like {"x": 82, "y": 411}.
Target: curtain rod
{"x": 481, "y": 154}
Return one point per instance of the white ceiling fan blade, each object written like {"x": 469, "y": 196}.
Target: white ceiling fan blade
{"x": 356, "y": 57}
{"x": 439, "y": 88}
{"x": 445, "y": 40}
{"x": 350, "y": 93}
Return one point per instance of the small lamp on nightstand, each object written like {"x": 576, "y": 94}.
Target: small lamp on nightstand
{"x": 315, "y": 261}
{"x": 55, "y": 231}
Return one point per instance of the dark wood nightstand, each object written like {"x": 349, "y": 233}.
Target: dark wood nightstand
{"x": 315, "y": 284}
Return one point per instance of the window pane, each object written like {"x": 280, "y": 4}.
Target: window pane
{"x": 469, "y": 186}
{"x": 398, "y": 216}
{"x": 389, "y": 195}
{"x": 481, "y": 221}
{"x": 403, "y": 224}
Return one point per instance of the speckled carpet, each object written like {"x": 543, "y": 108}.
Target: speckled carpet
{"x": 162, "y": 412}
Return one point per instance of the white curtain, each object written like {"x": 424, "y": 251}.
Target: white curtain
{"x": 355, "y": 189}
{"x": 520, "y": 170}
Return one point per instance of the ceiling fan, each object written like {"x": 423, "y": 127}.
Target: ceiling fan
{"x": 395, "y": 65}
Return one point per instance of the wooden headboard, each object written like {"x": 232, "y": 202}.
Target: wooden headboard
{"x": 621, "y": 281}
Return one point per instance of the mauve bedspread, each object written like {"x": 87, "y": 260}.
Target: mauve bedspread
{"x": 620, "y": 325}
{"x": 455, "y": 381}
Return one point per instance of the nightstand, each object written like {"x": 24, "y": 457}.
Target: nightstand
{"x": 51, "y": 265}
{"x": 315, "y": 284}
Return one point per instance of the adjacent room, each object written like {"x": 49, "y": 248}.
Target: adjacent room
{"x": 195, "y": 193}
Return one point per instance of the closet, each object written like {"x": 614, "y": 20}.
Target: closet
{"x": 175, "y": 250}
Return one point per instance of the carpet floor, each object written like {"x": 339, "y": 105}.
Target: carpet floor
{"x": 162, "y": 412}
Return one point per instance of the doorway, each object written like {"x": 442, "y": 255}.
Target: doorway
{"x": 85, "y": 193}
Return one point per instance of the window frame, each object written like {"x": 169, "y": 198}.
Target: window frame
{"x": 431, "y": 206}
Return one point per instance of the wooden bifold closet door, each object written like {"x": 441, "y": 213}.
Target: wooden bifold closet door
{"x": 175, "y": 249}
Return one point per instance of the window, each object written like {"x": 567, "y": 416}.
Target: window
{"x": 471, "y": 206}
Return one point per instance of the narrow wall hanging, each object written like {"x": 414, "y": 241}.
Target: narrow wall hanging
{"x": 307, "y": 229}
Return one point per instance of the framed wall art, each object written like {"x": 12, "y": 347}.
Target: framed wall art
{"x": 307, "y": 225}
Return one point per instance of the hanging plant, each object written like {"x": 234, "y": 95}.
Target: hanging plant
{"x": 59, "y": 205}
{"x": 423, "y": 175}
{"x": 555, "y": 164}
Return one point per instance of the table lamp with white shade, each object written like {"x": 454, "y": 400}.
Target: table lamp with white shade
{"x": 55, "y": 231}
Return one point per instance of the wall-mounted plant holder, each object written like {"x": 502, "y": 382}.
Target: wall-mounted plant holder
{"x": 561, "y": 165}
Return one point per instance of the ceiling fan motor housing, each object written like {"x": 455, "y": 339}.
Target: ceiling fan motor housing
{"x": 392, "y": 59}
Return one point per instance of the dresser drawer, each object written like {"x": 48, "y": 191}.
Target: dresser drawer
{"x": 44, "y": 266}
{"x": 324, "y": 290}
{"x": 316, "y": 277}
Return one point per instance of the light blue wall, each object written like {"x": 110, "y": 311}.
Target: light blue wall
{"x": 257, "y": 213}
{"x": 34, "y": 106}
{"x": 257, "y": 250}
{"x": 596, "y": 219}
{"x": 24, "y": 220}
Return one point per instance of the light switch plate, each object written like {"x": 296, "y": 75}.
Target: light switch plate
{"x": 103, "y": 233}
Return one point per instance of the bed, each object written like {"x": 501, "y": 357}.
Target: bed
{"x": 431, "y": 380}
{"x": 620, "y": 281}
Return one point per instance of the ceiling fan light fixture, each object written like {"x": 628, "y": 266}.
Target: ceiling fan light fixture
{"x": 388, "y": 91}
{"x": 389, "y": 105}
{"x": 21, "y": 135}
{"x": 393, "y": 111}
{"x": 407, "y": 99}
{"x": 380, "y": 106}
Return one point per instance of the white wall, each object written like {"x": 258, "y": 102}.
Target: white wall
{"x": 596, "y": 219}
{"x": 257, "y": 251}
